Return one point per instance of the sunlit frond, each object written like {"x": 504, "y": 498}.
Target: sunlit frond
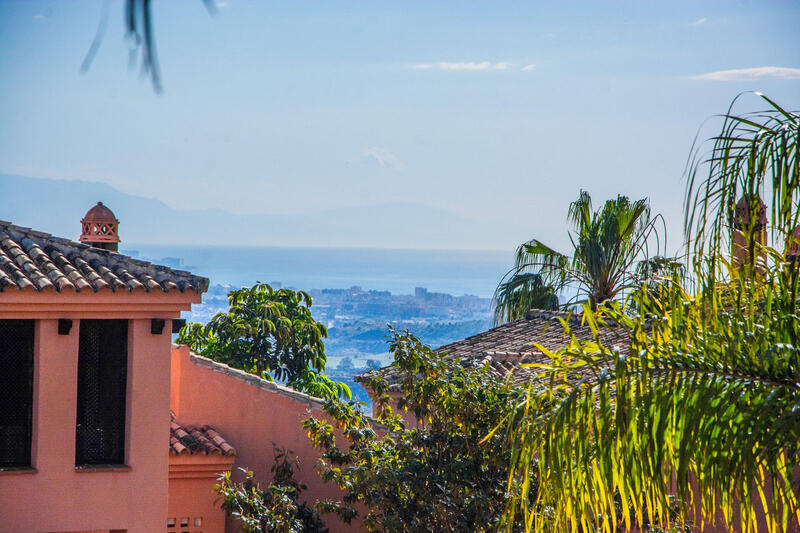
{"x": 756, "y": 155}
{"x": 697, "y": 418}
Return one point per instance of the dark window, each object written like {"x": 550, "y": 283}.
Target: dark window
{"x": 16, "y": 392}
{"x": 102, "y": 375}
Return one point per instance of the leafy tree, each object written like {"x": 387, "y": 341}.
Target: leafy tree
{"x": 274, "y": 510}
{"x": 707, "y": 399}
{"x": 268, "y": 333}
{"x": 442, "y": 474}
{"x": 606, "y": 246}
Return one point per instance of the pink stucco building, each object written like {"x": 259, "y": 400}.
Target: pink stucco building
{"x": 105, "y": 426}
{"x": 84, "y": 382}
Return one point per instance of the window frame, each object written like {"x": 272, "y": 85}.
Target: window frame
{"x": 30, "y": 347}
{"x": 115, "y": 335}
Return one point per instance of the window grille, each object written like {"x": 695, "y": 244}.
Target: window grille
{"x": 16, "y": 392}
{"x": 102, "y": 377}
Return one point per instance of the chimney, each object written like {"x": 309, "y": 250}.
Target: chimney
{"x": 100, "y": 228}
{"x": 793, "y": 247}
{"x": 749, "y": 229}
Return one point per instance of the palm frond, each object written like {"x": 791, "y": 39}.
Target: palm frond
{"x": 704, "y": 400}
{"x": 580, "y": 211}
{"x": 705, "y": 404}
{"x": 140, "y": 33}
{"x": 519, "y": 294}
{"x": 756, "y": 154}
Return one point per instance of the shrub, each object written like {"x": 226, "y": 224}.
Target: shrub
{"x": 447, "y": 472}
{"x": 276, "y": 509}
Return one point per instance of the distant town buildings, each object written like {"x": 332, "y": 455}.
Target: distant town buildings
{"x": 334, "y": 307}
{"x": 422, "y": 306}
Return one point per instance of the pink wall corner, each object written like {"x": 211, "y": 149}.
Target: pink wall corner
{"x": 179, "y": 357}
{"x": 191, "y": 491}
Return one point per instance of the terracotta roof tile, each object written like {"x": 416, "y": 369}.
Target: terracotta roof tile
{"x": 507, "y": 347}
{"x": 32, "y": 260}
{"x": 192, "y": 439}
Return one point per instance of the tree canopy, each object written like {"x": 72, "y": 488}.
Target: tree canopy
{"x": 270, "y": 333}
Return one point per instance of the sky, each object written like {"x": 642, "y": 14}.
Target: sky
{"x": 496, "y": 111}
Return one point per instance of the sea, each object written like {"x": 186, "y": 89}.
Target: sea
{"x": 456, "y": 272}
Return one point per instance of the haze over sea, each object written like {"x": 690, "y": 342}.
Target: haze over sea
{"x": 455, "y": 272}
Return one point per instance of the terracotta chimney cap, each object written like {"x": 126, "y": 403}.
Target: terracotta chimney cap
{"x": 743, "y": 213}
{"x": 793, "y": 244}
{"x": 100, "y": 228}
{"x": 100, "y": 213}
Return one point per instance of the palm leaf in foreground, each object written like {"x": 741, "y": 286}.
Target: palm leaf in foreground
{"x": 705, "y": 401}
{"x": 709, "y": 405}
{"x": 755, "y": 155}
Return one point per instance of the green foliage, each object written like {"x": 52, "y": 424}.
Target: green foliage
{"x": 658, "y": 275}
{"x": 606, "y": 245}
{"x": 520, "y": 293}
{"x": 274, "y": 510}
{"x": 441, "y": 474}
{"x": 707, "y": 401}
{"x": 268, "y": 333}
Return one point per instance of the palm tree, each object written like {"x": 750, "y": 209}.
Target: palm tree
{"x": 606, "y": 245}
{"x": 706, "y": 398}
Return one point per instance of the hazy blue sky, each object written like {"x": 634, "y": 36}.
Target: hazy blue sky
{"x": 495, "y": 111}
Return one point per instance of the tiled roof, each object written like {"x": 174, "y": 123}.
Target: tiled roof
{"x": 33, "y": 260}
{"x": 191, "y": 440}
{"x": 507, "y": 347}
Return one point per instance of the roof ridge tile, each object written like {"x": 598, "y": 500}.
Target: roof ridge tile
{"x": 32, "y": 258}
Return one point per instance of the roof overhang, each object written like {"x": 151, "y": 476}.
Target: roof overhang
{"x": 105, "y": 304}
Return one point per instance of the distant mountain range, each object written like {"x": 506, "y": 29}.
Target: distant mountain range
{"x": 56, "y": 206}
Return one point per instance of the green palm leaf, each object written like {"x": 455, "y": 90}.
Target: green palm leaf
{"x": 606, "y": 245}
{"x": 698, "y": 418}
